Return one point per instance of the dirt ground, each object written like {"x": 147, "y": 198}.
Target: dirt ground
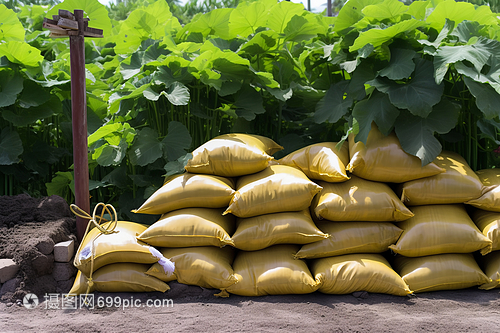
{"x": 196, "y": 310}
{"x": 193, "y": 309}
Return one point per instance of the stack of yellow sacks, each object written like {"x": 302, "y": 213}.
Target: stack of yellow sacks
{"x": 486, "y": 215}
{"x": 436, "y": 246}
{"x": 243, "y": 223}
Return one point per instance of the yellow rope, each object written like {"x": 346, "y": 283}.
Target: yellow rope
{"x": 95, "y": 221}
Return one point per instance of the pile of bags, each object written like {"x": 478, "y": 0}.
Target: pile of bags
{"x": 241, "y": 222}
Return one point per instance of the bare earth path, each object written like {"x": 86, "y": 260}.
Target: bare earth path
{"x": 196, "y": 310}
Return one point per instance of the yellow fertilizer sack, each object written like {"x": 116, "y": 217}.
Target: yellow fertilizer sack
{"x": 191, "y": 227}
{"x": 490, "y": 200}
{"x": 272, "y": 271}
{"x": 120, "y": 246}
{"x": 189, "y": 190}
{"x": 491, "y": 266}
{"x": 489, "y": 224}
{"x": 351, "y": 237}
{"x": 278, "y": 188}
{"x": 320, "y": 161}
{"x": 122, "y": 277}
{"x": 383, "y": 160}
{"x": 358, "y": 200}
{"x": 437, "y": 229}
{"x": 440, "y": 272}
{"x": 357, "y": 272}
{"x": 233, "y": 155}
{"x": 205, "y": 266}
{"x": 259, "y": 232}
{"x": 457, "y": 185}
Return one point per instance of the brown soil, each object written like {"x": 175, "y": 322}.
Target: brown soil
{"x": 23, "y": 220}
{"x": 25, "y": 225}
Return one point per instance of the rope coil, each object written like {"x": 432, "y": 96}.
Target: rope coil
{"x": 96, "y": 221}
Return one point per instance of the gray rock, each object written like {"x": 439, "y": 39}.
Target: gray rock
{"x": 43, "y": 264}
{"x": 63, "y": 287}
{"x": 10, "y": 286}
{"x": 63, "y": 271}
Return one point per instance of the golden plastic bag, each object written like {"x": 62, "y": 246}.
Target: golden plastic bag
{"x": 233, "y": 155}
{"x": 351, "y": 237}
{"x": 121, "y": 277}
{"x": 457, "y": 185}
{"x": 121, "y": 246}
{"x": 358, "y": 200}
{"x": 272, "y": 271}
{"x": 357, "y": 272}
{"x": 259, "y": 232}
{"x": 205, "y": 266}
{"x": 489, "y": 224}
{"x": 383, "y": 159}
{"x": 278, "y": 188}
{"x": 320, "y": 161}
{"x": 440, "y": 272}
{"x": 490, "y": 200}
{"x": 437, "y": 229}
{"x": 191, "y": 227}
{"x": 491, "y": 266}
{"x": 189, "y": 190}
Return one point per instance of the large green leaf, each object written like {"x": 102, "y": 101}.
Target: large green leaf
{"x": 333, "y": 105}
{"x": 416, "y": 134}
{"x": 477, "y": 53}
{"x": 389, "y": 9}
{"x": 419, "y": 95}
{"x": 489, "y": 129}
{"x": 93, "y": 9}
{"x": 61, "y": 185}
{"x": 351, "y": 13}
{"x": 10, "y": 147}
{"x": 146, "y": 148}
{"x": 10, "y": 26}
{"x": 131, "y": 66}
{"x": 11, "y": 84}
{"x": 177, "y": 141}
{"x": 108, "y": 155}
{"x": 248, "y": 103}
{"x": 247, "y": 17}
{"x": 173, "y": 69}
{"x": 487, "y": 99}
{"x": 33, "y": 95}
{"x": 377, "y": 108}
{"x": 492, "y": 76}
{"x": 177, "y": 167}
{"x": 377, "y": 37}
{"x": 21, "y": 53}
{"x": 261, "y": 42}
{"x": 401, "y": 65}
{"x": 281, "y": 14}
{"x": 103, "y": 131}
{"x": 23, "y": 117}
{"x": 302, "y": 28}
{"x": 458, "y": 12}
{"x": 176, "y": 93}
{"x": 215, "y": 22}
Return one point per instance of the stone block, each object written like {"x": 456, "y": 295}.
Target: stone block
{"x": 63, "y": 271}
{"x": 64, "y": 251}
{"x": 8, "y": 269}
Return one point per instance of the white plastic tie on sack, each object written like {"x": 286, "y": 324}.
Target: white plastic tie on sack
{"x": 168, "y": 266}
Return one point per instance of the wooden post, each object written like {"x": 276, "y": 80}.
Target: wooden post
{"x": 79, "y": 120}
{"x": 76, "y": 27}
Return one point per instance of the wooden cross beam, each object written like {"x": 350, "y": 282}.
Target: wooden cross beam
{"x": 74, "y": 26}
